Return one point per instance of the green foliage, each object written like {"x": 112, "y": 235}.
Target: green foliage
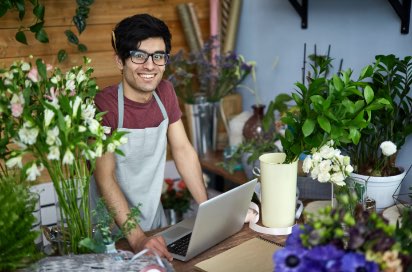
{"x": 335, "y": 108}
{"x": 104, "y": 218}
{"x": 391, "y": 80}
{"x": 37, "y": 28}
{"x": 175, "y": 195}
{"x": 17, "y": 247}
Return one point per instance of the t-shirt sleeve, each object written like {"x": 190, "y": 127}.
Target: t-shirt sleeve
{"x": 105, "y": 102}
{"x": 171, "y": 102}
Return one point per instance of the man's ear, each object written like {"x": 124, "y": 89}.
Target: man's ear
{"x": 119, "y": 62}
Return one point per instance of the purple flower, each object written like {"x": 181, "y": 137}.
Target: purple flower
{"x": 354, "y": 262}
{"x": 324, "y": 253}
{"x": 294, "y": 238}
{"x": 293, "y": 260}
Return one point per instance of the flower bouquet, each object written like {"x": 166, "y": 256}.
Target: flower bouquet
{"x": 217, "y": 76}
{"x": 337, "y": 240}
{"x": 175, "y": 195}
{"x": 53, "y": 125}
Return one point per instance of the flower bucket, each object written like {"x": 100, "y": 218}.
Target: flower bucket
{"x": 278, "y": 198}
{"x": 382, "y": 189}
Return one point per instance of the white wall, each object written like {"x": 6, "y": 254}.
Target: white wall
{"x": 357, "y": 30}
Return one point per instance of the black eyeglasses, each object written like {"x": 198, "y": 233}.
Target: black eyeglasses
{"x": 140, "y": 57}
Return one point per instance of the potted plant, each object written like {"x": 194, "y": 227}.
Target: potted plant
{"x": 201, "y": 80}
{"x": 373, "y": 157}
{"x": 328, "y": 109}
{"x": 56, "y": 124}
{"x": 175, "y": 199}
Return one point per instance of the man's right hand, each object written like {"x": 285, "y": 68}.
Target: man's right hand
{"x": 157, "y": 244}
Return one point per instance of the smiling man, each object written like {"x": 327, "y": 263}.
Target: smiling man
{"x": 146, "y": 106}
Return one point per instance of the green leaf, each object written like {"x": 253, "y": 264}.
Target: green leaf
{"x": 3, "y": 10}
{"x": 21, "y": 37}
{"x": 355, "y": 135}
{"x": 366, "y": 72}
{"x": 369, "y": 95}
{"x": 61, "y": 55}
{"x": 80, "y": 23}
{"x": 41, "y": 36}
{"x": 41, "y": 68}
{"x": 82, "y": 11}
{"x": 20, "y": 8}
{"x": 38, "y": 11}
{"x": 84, "y": 2}
{"x": 71, "y": 37}
{"x": 308, "y": 127}
{"x": 82, "y": 48}
{"x": 36, "y": 27}
{"x": 337, "y": 83}
{"x": 297, "y": 98}
{"x": 324, "y": 123}
{"x": 317, "y": 99}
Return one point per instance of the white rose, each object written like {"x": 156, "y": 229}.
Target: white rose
{"x": 323, "y": 177}
{"x": 337, "y": 178}
{"x": 327, "y": 152}
{"x": 388, "y": 148}
{"x": 325, "y": 166}
{"x": 314, "y": 173}
{"x": 316, "y": 157}
{"x": 307, "y": 164}
{"x": 348, "y": 169}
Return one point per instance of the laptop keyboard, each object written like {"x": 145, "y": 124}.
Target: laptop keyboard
{"x": 180, "y": 246}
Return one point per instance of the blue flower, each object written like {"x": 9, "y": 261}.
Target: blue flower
{"x": 327, "y": 255}
{"x": 292, "y": 259}
{"x": 294, "y": 238}
{"x": 354, "y": 262}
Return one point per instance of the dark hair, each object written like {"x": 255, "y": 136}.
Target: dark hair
{"x": 131, "y": 31}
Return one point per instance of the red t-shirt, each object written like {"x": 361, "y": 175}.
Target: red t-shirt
{"x": 139, "y": 115}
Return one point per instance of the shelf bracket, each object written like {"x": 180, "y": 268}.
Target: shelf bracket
{"x": 302, "y": 10}
{"x": 404, "y": 12}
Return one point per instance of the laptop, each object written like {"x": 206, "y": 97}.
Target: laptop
{"x": 216, "y": 219}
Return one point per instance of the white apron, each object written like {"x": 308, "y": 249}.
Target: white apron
{"x": 140, "y": 173}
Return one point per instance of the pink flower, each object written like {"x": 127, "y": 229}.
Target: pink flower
{"x": 16, "y": 109}
{"x": 33, "y": 75}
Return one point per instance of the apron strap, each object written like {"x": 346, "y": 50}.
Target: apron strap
{"x": 120, "y": 105}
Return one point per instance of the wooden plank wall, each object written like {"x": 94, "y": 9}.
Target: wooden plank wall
{"x": 103, "y": 16}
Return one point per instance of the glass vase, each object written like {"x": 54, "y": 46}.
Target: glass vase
{"x": 73, "y": 217}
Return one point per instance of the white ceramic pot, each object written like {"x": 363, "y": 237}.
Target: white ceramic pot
{"x": 382, "y": 189}
{"x": 278, "y": 190}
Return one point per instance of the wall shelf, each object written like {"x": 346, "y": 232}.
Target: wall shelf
{"x": 401, "y": 7}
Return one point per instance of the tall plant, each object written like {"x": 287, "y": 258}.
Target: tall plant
{"x": 391, "y": 80}
{"x": 56, "y": 123}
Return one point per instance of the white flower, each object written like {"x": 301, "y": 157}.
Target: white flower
{"x": 54, "y": 153}
{"x": 88, "y": 111}
{"x": 314, "y": 173}
{"x": 316, "y": 157}
{"x": 82, "y": 129}
{"x": 33, "y": 172}
{"x": 25, "y": 66}
{"x": 324, "y": 177}
{"x": 327, "y": 152}
{"x": 99, "y": 150}
{"x": 52, "y": 136}
{"x": 80, "y": 76}
{"x": 68, "y": 121}
{"x": 348, "y": 169}
{"x": 28, "y": 135}
{"x": 15, "y": 161}
{"x": 388, "y": 148}
{"x": 307, "y": 164}
{"x": 93, "y": 126}
{"x": 70, "y": 85}
{"x": 68, "y": 157}
{"x": 90, "y": 155}
{"x": 123, "y": 140}
{"x": 111, "y": 147}
{"x": 55, "y": 79}
{"x": 107, "y": 129}
{"x": 325, "y": 166}
{"x": 48, "y": 116}
{"x": 75, "y": 105}
{"x": 338, "y": 178}
{"x": 16, "y": 104}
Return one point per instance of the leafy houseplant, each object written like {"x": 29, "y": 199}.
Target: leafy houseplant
{"x": 336, "y": 108}
{"x": 215, "y": 76}
{"x": 175, "y": 196}
{"x": 391, "y": 80}
{"x": 17, "y": 247}
{"x": 104, "y": 222}
{"x": 52, "y": 117}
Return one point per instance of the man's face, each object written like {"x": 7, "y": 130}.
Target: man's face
{"x": 144, "y": 78}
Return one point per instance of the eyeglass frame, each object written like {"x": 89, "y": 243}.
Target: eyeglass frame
{"x": 149, "y": 55}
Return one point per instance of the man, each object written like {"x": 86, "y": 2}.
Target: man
{"x": 147, "y": 108}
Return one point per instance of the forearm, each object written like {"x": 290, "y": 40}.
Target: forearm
{"x": 188, "y": 166}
